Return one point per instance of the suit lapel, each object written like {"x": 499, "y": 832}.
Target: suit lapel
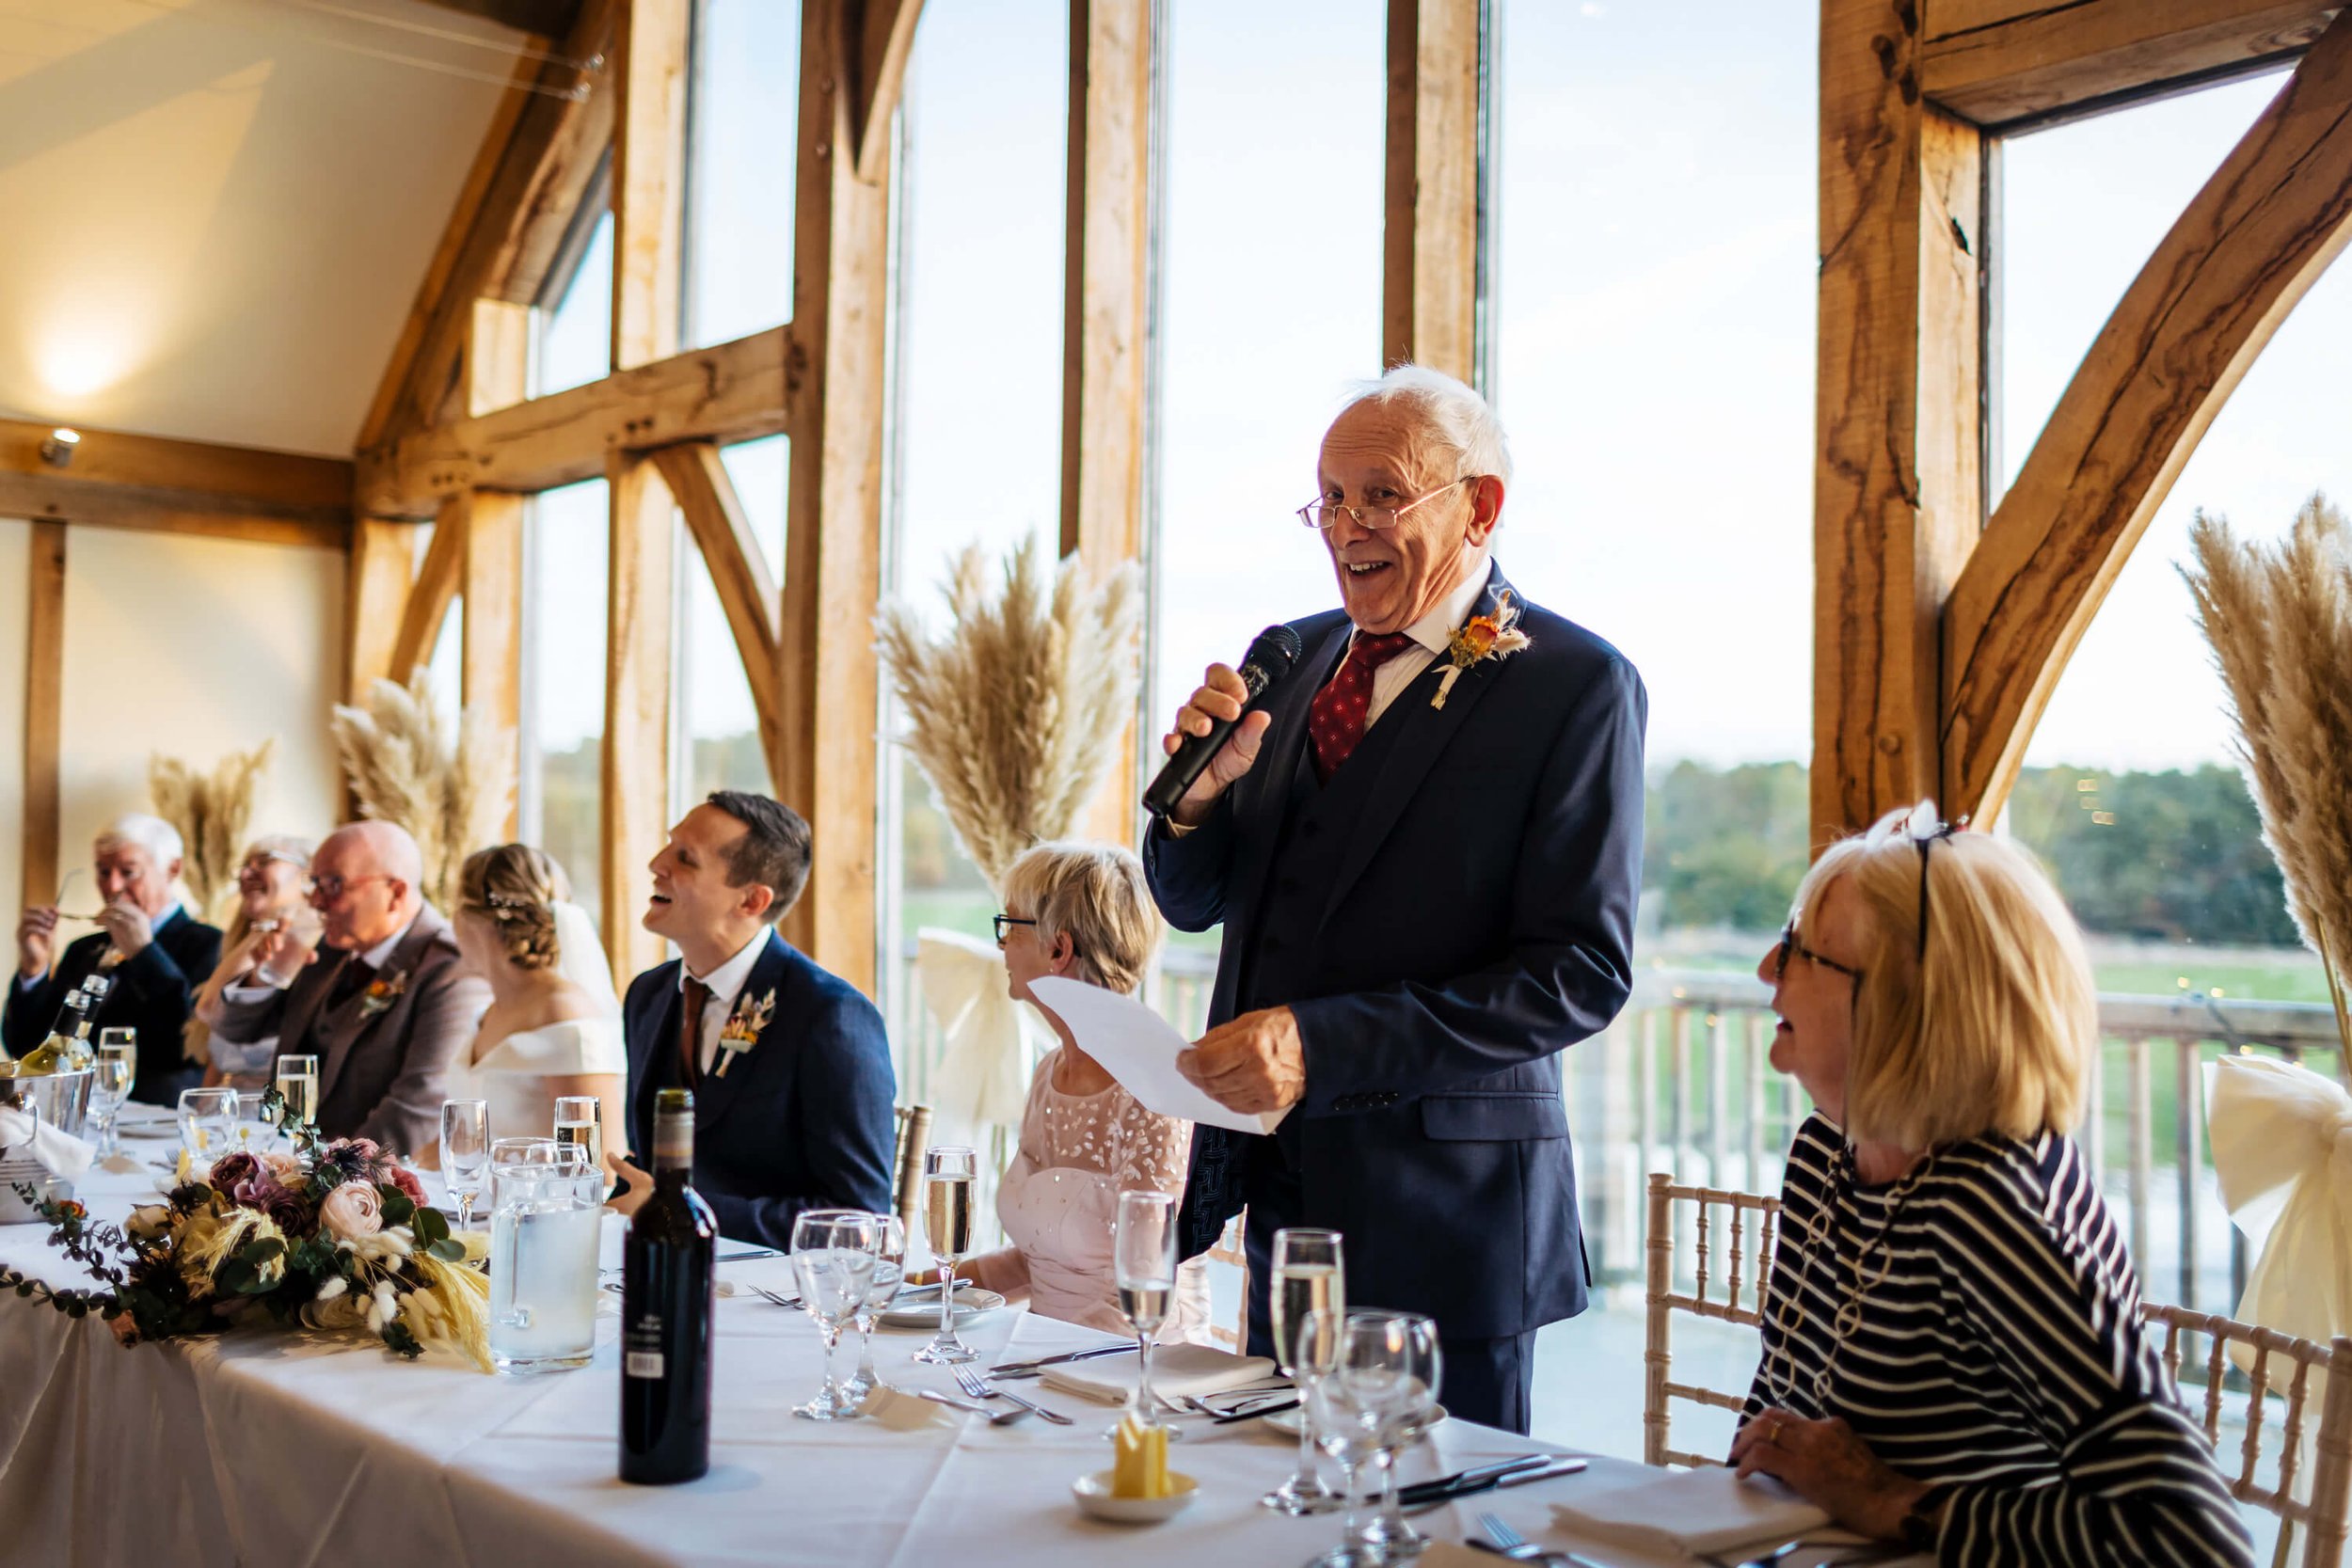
{"x": 644, "y": 1051}
{"x": 1428, "y": 730}
{"x": 720, "y": 1090}
{"x": 1278, "y": 760}
{"x": 345, "y": 1026}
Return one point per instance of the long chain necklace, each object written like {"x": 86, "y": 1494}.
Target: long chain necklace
{"x": 1848, "y": 1320}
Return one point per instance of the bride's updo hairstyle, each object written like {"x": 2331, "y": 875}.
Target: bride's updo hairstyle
{"x": 515, "y": 888}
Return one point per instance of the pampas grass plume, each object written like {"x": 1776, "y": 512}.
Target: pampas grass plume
{"x": 404, "y": 767}
{"x": 212, "y": 812}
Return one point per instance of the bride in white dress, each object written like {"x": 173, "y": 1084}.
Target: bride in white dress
{"x": 553, "y": 1027}
{"x": 1082, "y": 910}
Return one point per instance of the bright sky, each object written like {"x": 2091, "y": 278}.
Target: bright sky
{"x": 1656, "y": 297}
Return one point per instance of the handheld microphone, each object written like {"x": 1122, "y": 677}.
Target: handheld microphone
{"x": 1263, "y": 668}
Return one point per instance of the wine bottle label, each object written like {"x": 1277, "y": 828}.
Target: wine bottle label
{"x": 642, "y": 1363}
{"x": 673, "y": 1142}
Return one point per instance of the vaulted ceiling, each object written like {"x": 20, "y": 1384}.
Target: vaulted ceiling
{"x": 217, "y": 212}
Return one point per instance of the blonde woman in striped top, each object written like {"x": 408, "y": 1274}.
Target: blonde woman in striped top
{"x": 1952, "y": 1350}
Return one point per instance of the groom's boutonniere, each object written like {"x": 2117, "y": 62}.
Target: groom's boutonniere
{"x": 741, "y": 1029}
{"x": 382, "y": 992}
{"x": 1482, "y": 637}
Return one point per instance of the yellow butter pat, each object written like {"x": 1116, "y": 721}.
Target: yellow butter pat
{"x": 1140, "y": 1460}
{"x": 181, "y": 1174}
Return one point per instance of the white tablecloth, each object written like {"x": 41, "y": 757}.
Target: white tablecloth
{"x": 266, "y": 1447}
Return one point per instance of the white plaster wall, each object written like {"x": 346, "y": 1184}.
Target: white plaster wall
{"x": 16, "y": 540}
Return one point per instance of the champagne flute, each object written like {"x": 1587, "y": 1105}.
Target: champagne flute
{"x": 1309, "y": 1277}
{"x": 115, "y": 1069}
{"x": 580, "y": 1124}
{"x": 465, "y": 1153}
{"x": 207, "y": 1119}
{"x": 833, "y": 1254}
{"x": 952, "y": 1180}
{"x": 890, "y": 1257}
{"x": 1143, "y": 1265}
{"x": 1389, "y": 1535}
{"x": 1364, "y": 1381}
{"x": 297, "y": 1085}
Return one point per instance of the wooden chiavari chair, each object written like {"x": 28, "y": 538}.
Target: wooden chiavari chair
{"x": 1748, "y": 1266}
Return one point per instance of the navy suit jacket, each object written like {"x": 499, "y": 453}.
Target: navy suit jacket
{"x": 1481, "y": 921}
{"x": 151, "y": 994}
{"x": 801, "y": 1120}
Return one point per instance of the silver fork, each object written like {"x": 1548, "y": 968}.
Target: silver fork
{"x": 793, "y": 1302}
{"x": 1510, "y": 1544}
{"x": 980, "y": 1388}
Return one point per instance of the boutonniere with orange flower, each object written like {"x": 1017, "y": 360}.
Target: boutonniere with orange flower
{"x": 742, "y": 1030}
{"x": 1482, "y": 637}
{"x": 382, "y": 992}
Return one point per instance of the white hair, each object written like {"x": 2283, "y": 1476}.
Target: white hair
{"x": 1455, "y": 411}
{"x": 153, "y": 834}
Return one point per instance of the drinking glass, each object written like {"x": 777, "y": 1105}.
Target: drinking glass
{"x": 1143, "y": 1265}
{"x": 580, "y": 1124}
{"x": 1308, "y": 1277}
{"x": 833, "y": 1259}
{"x": 1395, "y": 1540}
{"x": 521, "y": 1152}
{"x": 302, "y": 928}
{"x": 890, "y": 1259}
{"x": 545, "y": 1220}
{"x": 208, "y": 1119}
{"x": 297, "y": 1084}
{"x": 111, "y": 1075}
{"x": 1365, "y": 1381}
{"x": 952, "y": 1180}
{"x": 465, "y": 1153}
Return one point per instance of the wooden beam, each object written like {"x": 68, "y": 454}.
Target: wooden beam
{"x": 736, "y": 391}
{"x": 1898, "y": 487}
{"x": 697, "y": 477}
{"x": 376, "y": 594}
{"x": 549, "y": 19}
{"x": 648, "y": 180}
{"x": 826, "y": 674}
{"x": 1104, "y": 321}
{"x": 44, "y": 712}
{"x": 491, "y": 653}
{"x": 885, "y": 36}
{"x": 537, "y": 166}
{"x": 2267, "y": 223}
{"x": 437, "y": 584}
{"x": 1429, "y": 236}
{"x": 2000, "y": 61}
{"x": 634, "y": 759}
{"x": 194, "y": 488}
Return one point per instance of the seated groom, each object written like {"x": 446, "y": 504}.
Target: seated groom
{"x": 147, "y": 945}
{"x": 789, "y": 1065}
{"x": 385, "y": 1005}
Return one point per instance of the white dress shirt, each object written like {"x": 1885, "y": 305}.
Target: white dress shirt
{"x": 1431, "y": 634}
{"x": 727, "y": 984}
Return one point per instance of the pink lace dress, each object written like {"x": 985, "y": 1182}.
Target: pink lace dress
{"x": 1060, "y": 1203}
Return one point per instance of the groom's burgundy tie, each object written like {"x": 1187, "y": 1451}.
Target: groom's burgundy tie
{"x": 1338, "y": 717}
{"x": 690, "y": 1035}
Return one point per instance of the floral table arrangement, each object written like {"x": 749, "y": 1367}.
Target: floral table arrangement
{"x": 335, "y": 1237}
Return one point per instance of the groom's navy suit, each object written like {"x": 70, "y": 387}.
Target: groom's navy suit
{"x": 1443, "y": 916}
{"x": 800, "y": 1120}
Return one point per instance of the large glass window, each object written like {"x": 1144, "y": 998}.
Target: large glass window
{"x": 564, "y": 690}
{"x": 745, "y": 105}
{"x": 575, "y": 344}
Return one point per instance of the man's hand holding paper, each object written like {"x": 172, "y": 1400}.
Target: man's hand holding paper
{"x": 1256, "y": 1063}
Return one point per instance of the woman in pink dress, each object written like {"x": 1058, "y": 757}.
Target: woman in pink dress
{"x": 1081, "y": 910}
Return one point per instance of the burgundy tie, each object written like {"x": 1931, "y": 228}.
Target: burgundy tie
{"x": 1337, "y": 719}
{"x": 689, "y": 1034}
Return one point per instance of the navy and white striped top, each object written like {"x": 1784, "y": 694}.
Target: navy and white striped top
{"x": 1999, "y": 1351}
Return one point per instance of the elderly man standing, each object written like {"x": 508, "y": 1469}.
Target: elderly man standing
{"x": 1425, "y": 847}
{"x": 147, "y": 945}
{"x": 386, "y": 1004}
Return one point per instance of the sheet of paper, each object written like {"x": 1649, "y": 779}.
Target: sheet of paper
{"x": 1138, "y": 1047}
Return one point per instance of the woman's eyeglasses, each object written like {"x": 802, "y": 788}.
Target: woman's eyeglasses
{"x": 1788, "y": 943}
{"x": 1925, "y": 839}
{"x": 1004, "y": 923}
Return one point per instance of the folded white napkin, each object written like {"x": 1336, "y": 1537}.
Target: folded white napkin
{"x": 1182, "y": 1368}
{"x": 60, "y": 1154}
{"x": 1692, "y": 1512}
{"x": 901, "y": 1412}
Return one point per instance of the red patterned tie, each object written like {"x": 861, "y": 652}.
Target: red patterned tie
{"x": 1336, "y": 718}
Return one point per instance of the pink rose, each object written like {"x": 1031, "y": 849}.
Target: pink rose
{"x": 352, "y": 1211}
{"x": 405, "y": 1179}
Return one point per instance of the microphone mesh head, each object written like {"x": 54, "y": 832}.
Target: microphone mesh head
{"x": 1275, "y": 650}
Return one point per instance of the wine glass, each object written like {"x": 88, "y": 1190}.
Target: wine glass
{"x": 833, "y": 1259}
{"x": 1143, "y": 1265}
{"x": 1397, "y": 1541}
{"x": 890, "y": 1257}
{"x": 1364, "y": 1381}
{"x": 1308, "y": 1277}
{"x": 208, "y": 1119}
{"x": 580, "y": 1124}
{"x": 111, "y": 1077}
{"x": 952, "y": 1180}
{"x": 297, "y": 1085}
{"x": 465, "y": 1153}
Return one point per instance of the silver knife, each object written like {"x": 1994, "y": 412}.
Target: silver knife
{"x": 1031, "y": 1369}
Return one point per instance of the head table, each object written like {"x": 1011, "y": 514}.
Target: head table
{"x": 267, "y": 1446}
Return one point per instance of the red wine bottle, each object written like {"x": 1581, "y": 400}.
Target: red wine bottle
{"x": 669, "y": 1288}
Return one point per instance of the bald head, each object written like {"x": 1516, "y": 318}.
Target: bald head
{"x": 366, "y": 879}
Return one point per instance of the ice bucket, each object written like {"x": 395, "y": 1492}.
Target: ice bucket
{"x": 60, "y": 1100}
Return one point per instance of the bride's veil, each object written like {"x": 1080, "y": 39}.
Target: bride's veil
{"x": 581, "y": 956}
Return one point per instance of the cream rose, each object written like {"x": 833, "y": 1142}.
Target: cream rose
{"x": 285, "y": 1168}
{"x": 149, "y": 1222}
{"x": 353, "y": 1210}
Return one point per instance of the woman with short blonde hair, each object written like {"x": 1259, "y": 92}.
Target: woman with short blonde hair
{"x": 1952, "y": 1349}
{"x": 1081, "y": 912}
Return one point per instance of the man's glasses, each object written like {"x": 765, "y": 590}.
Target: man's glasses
{"x": 333, "y": 888}
{"x": 1788, "y": 943}
{"x": 1324, "y": 514}
{"x": 1004, "y": 923}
